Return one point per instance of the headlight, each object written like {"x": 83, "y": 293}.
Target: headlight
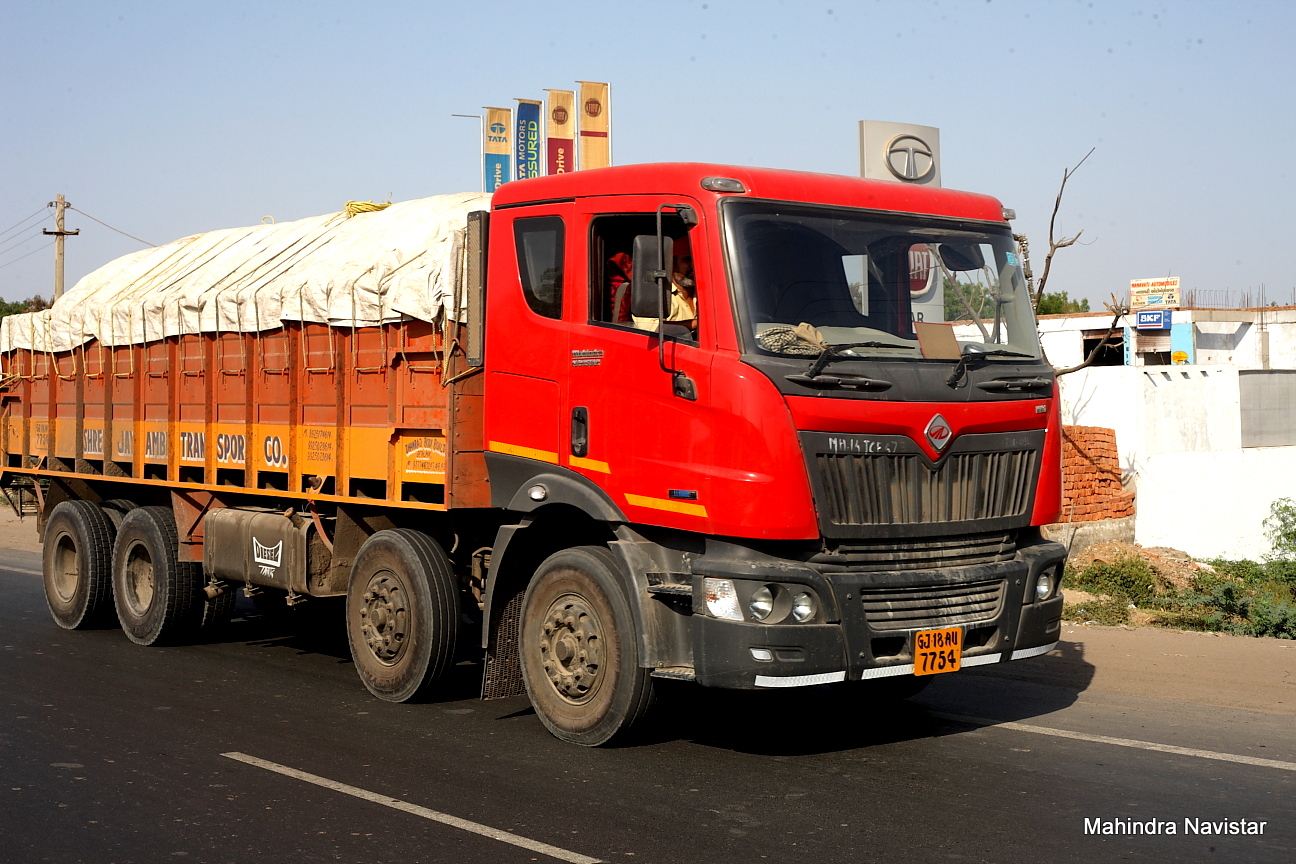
{"x": 722, "y": 599}
{"x": 803, "y": 607}
{"x": 1044, "y": 586}
{"x": 762, "y": 603}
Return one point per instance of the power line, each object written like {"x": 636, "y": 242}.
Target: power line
{"x": 33, "y": 252}
{"x": 18, "y": 239}
{"x": 111, "y": 228}
{"x": 21, "y": 221}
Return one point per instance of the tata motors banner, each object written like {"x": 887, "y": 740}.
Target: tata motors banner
{"x": 595, "y": 145}
{"x": 559, "y": 131}
{"x": 527, "y": 145}
{"x": 496, "y": 149}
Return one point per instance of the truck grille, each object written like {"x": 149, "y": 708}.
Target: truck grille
{"x": 963, "y": 550}
{"x": 920, "y": 608}
{"x": 899, "y": 489}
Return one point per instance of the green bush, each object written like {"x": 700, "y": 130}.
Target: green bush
{"x": 1280, "y": 528}
{"x": 1109, "y": 610}
{"x": 1128, "y": 578}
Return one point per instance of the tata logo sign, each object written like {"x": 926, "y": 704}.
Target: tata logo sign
{"x": 498, "y": 128}
{"x": 910, "y": 158}
{"x": 1153, "y": 319}
{"x": 938, "y": 432}
{"x": 496, "y": 133}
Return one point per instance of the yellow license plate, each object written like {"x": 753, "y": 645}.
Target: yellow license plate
{"x": 937, "y": 651}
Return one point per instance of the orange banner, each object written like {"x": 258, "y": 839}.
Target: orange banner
{"x": 595, "y": 126}
{"x": 560, "y": 131}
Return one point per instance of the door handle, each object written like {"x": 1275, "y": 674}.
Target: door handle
{"x": 579, "y": 431}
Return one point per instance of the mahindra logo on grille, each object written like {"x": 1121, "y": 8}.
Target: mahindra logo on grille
{"x": 939, "y": 432}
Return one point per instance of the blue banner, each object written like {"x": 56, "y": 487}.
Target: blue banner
{"x": 496, "y": 166}
{"x": 1153, "y": 319}
{"x": 527, "y": 143}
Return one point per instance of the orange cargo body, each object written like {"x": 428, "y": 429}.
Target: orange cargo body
{"x": 306, "y": 411}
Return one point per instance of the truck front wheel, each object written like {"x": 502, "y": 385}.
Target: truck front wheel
{"x": 77, "y": 565}
{"x": 402, "y": 614}
{"x": 580, "y": 657}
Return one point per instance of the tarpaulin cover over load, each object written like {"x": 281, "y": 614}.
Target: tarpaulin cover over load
{"x": 404, "y": 261}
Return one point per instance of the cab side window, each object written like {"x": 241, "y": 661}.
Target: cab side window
{"x": 540, "y": 263}
{"x": 611, "y": 265}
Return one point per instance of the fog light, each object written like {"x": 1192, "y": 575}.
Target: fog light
{"x": 803, "y": 607}
{"x": 722, "y": 599}
{"x": 1043, "y": 586}
{"x": 762, "y": 603}
{"x": 762, "y": 654}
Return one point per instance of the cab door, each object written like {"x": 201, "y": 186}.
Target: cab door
{"x": 625, "y": 428}
{"x": 526, "y": 335}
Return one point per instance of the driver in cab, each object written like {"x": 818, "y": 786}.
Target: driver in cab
{"x": 683, "y": 295}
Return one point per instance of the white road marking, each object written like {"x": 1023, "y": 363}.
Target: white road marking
{"x": 1121, "y": 742}
{"x": 405, "y": 806}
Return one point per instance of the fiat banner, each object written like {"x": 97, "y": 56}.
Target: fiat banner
{"x": 595, "y": 124}
{"x": 527, "y": 141}
{"x": 560, "y": 139}
{"x": 496, "y": 148}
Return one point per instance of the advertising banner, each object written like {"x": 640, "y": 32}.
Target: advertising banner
{"x": 595, "y": 125}
{"x": 498, "y": 154}
{"x": 1154, "y": 292}
{"x": 560, "y": 136}
{"x": 1153, "y": 319}
{"x": 527, "y": 146}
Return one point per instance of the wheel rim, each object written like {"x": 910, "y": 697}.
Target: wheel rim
{"x": 571, "y": 648}
{"x": 65, "y": 568}
{"x": 139, "y": 580}
{"x": 384, "y": 617}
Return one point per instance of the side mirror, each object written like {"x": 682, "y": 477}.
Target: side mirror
{"x": 651, "y": 276}
{"x": 962, "y": 256}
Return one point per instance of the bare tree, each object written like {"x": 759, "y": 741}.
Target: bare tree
{"x": 1118, "y": 309}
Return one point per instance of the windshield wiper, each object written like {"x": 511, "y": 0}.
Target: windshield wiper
{"x": 829, "y": 354}
{"x": 969, "y": 352}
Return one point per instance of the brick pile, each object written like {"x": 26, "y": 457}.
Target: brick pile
{"x": 1091, "y": 476}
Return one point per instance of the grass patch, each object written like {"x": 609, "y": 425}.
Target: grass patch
{"x": 1248, "y": 598}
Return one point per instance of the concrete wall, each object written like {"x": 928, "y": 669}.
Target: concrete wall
{"x": 1213, "y": 504}
{"x": 1179, "y": 439}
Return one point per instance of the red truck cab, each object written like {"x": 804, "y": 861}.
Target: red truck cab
{"x": 856, "y": 444}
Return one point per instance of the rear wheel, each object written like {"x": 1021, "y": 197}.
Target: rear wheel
{"x": 77, "y": 565}
{"x": 402, "y": 614}
{"x": 159, "y": 598}
{"x": 580, "y": 657}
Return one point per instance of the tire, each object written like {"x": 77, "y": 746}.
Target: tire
{"x": 116, "y": 509}
{"x": 159, "y": 598}
{"x": 402, "y": 614}
{"x": 218, "y": 611}
{"x": 77, "y": 565}
{"x": 580, "y": 655}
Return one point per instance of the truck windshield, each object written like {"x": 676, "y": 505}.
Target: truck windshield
{"x": 811, "y": 277}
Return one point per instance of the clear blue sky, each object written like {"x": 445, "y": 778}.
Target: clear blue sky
{"x": 171, "y": 118}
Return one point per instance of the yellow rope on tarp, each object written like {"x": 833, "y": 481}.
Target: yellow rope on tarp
{"x": 355, "y": 208}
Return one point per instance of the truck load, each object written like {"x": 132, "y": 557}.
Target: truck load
{"x": 742, "y": 427}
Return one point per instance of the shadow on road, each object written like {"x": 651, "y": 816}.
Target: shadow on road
{"x": 805, "y": 721}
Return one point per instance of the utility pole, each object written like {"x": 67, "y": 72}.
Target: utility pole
{"x": 59, "y": 204}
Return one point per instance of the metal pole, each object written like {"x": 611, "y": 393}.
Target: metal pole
{"x": 60, "y": 204}
{"x": 481, "y": 121}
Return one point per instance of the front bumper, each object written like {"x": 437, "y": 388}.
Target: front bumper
{"x": 855, "y": 643}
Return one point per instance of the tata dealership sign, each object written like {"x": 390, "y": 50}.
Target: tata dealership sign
{"x": 1153, "y": 319}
